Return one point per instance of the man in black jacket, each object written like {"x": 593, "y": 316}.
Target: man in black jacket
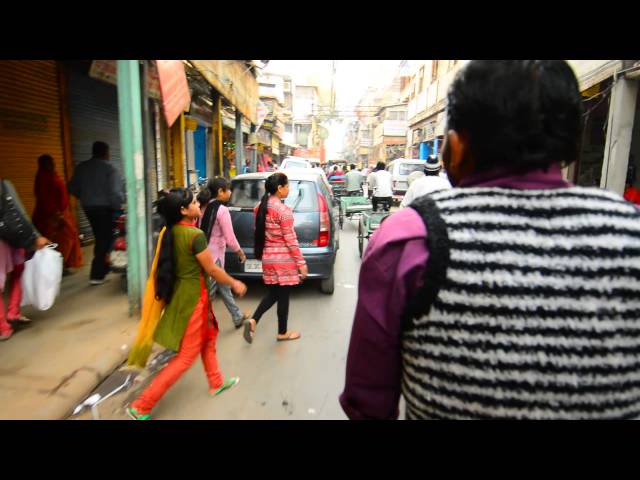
{"x": 98, "y": 185}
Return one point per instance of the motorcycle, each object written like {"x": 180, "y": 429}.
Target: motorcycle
{"x": 118, "y": 259}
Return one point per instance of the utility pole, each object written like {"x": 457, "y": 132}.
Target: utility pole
{"x": 131, "y": 140}
{"x": 149, "y": 158}
{"x": 239, "y": 147}
{"x": 333, "y": 87}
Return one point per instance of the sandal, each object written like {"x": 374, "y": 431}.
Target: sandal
{"x": 133, "y": 413}
{"x": 226, "y": 385}
{"x": 244, "y": 318}
{"x": 248, "y": 331}
{"x": 289, "y": 336}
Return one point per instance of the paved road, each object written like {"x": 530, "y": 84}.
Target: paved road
{"x": 287, "y": 380}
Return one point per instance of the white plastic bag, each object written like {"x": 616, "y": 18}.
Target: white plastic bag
{"x": 41, "y": 278}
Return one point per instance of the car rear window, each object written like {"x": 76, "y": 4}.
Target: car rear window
{"x": 246, "y": 193}
{"x": 409, "y": 168}
{"x": 294, "y": 164}
{"x": 302, "y": 195}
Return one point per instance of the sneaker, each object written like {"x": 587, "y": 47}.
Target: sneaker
{"x": 133, "y": 414}
{"x": 96, "y": 282}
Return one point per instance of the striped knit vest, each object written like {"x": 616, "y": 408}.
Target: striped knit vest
{"x": 530, "y": 308}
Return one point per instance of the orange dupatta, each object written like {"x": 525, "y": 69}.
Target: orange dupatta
{"x": 151, "y": 313}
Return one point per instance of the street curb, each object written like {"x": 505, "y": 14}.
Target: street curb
{"x": 81, "y": 383}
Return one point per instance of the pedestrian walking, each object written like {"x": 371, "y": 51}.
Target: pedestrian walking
{"x": 381, "y": 186}
{"x": 430, "y": 182}
{"x": 216, "y": 224}
{"x": 276, "y": 245}
{"x": 52, "y": 214}
{"x": 187, "y": 324}
{"x": 514, "y": 295}
{"x": 17, "y": 237}
{"x": 98, "y": 185}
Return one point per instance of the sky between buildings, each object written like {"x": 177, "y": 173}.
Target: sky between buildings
{"x": 351, "y": 80}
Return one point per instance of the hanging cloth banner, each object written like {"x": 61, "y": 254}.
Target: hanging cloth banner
{"x": 174, "y": 87}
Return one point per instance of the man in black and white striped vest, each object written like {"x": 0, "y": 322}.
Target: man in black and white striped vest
{"x": 514, "y": 295}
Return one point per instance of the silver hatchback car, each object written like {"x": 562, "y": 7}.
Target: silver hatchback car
{"x": 314, "y": 222}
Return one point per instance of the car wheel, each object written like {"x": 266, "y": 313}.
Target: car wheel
{"x": 327, "y": 285}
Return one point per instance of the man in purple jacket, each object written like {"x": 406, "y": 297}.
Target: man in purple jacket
{"x": 514, "y": 295}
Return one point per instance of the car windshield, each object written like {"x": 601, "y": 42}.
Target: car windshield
{"x": 409, "y": 168}
{"x": 248, "y": 193}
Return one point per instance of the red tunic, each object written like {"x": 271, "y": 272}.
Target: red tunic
{"x": 282, "y": 256}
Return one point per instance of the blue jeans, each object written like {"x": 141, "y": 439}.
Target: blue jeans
{"x": 227, "y": 298}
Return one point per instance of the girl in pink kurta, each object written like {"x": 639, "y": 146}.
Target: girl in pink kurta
{"x": 215, "y": 221}
{"x": 282, "y": 263}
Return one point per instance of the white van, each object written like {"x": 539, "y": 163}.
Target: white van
{"x": 400, "y": 169}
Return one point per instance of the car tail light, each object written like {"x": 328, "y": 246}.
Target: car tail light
{"x": 325, "y": 224}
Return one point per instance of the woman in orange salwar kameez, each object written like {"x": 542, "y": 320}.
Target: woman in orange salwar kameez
{"x": 52, "y": 215}
{"x": 187, "y": 324}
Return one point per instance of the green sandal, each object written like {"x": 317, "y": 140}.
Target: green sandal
{"x": 226, "y": 385}
{"x": 133, "y": 413}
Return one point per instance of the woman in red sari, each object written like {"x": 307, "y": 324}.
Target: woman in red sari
{"x": 52, "y": 215}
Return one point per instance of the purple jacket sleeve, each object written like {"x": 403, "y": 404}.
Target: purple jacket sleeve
{"x": 391, "y": 272}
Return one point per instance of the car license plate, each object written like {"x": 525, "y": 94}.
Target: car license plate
{"x": 253, "y": 266}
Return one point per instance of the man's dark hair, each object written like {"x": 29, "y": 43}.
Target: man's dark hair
{"x": 353, "y": 166}
{"x": 517, "y": 113}
{"x": 380, "y": 166}
{"x": 100, "y": 149}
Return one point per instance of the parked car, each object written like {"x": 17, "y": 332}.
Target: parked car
{"x": 400, "y": 169}
{"x": 314, "y": 223}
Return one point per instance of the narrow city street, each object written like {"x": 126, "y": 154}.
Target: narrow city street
{"x": 278, "y": 380}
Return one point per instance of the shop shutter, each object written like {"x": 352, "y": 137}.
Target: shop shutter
{"x": 93, "y": 116}
{"x": 30, "y": 122}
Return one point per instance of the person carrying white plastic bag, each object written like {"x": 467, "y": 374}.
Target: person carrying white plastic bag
{"x": 41, "y": 278}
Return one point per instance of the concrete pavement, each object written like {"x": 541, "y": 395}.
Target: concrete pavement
{"x": 50, "y": 365}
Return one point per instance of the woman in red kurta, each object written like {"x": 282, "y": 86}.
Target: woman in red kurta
{"x": 52, "y": 215}
{"x": 282, "y": 263}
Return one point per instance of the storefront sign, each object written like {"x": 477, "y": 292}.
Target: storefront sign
{"x": 395, "y": 128}
{"x": 418, "y": 136}
{"x": 275, "y": 145}
{"x": 174, "y": 88}
{"x": 107, "y": 71}
{"x": 307, "y": 152}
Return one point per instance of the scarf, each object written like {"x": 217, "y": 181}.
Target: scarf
{"x": 151, "y": 313}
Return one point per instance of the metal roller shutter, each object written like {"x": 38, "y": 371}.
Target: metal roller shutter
{"x": 30, "y": 122}
{"x": 93, "y": 116}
